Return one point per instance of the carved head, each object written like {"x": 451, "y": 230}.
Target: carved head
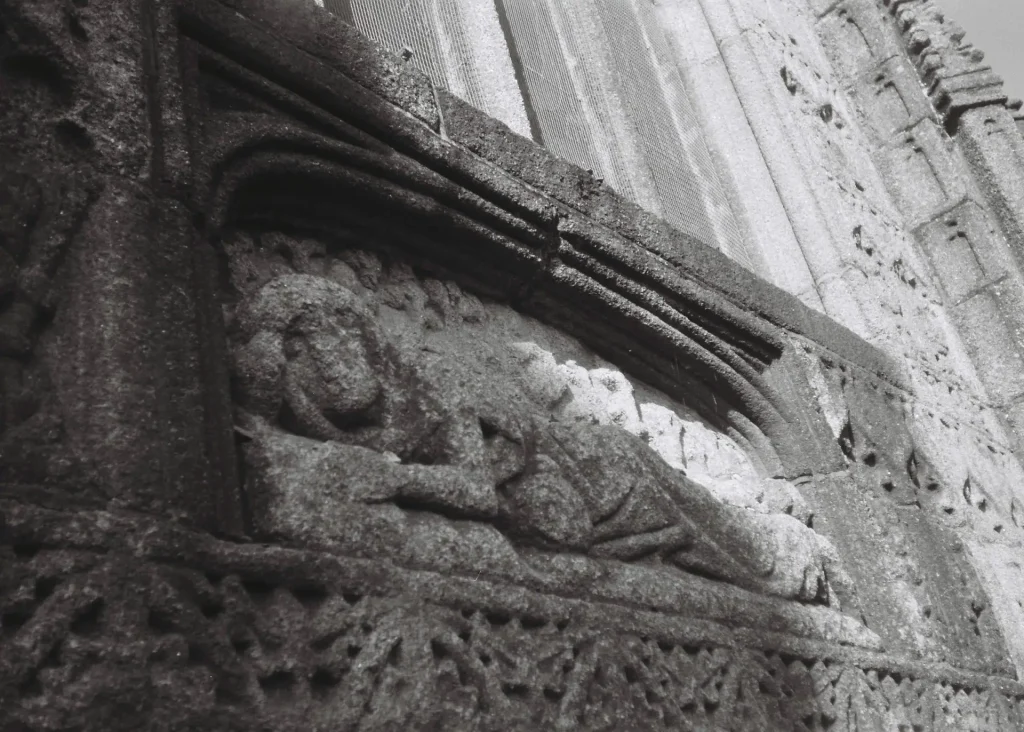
{"x": 308, "y": 355}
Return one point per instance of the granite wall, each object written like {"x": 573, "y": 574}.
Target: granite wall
{"x": 870, "y": 157}
{"x": 332, "y": 402}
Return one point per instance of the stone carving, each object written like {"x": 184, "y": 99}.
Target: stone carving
{"x": 450, "y": 548}
{"x": 318, "y": 383}
{"x": 37, "y": 222}
{"x": 244, "y": 637}
{"x": 952, "y": 70}
{"x": 46, "y": 83}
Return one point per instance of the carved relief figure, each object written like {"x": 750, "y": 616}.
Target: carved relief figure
{"x": 38, "y": 220}
{"x": 309, "y": 361}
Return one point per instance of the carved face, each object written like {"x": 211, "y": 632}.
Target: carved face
{"x": 329, "y": 364}
{"x": 312, "y": 357}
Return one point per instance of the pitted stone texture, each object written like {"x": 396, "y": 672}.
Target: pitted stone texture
{"x": 889, "y": 96}
{"x": 138, "y": 624}
{"x": 986, "y": 319}
{"x": 926, "y": 176}
{"x": 1003, "y": 569}
{"x": 920, "y": 172}
{"x": 854, "y": 34}
{"x": 967, "y": 250}
{"x": 918, "y": 494}
{"x": 478, "y": 420}
{"x": 897, "y": 305}
{"x": 995, "y": 150}
{"x": 830, "y": 146}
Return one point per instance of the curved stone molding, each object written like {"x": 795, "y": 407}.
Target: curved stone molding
{"x": 388, "y": 418}
{"x": 390, "y": 400}
{"x": 328, "y": 152}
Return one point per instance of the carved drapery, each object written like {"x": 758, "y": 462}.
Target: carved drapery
{"x": 110, "y": 609}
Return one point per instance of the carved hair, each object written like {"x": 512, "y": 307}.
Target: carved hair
{"x": 281, "y": 303}
{"x": 290, "y": 305}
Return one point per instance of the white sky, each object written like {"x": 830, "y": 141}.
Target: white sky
{"x": 997, "y": 28}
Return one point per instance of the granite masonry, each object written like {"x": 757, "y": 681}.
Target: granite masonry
{"x": 505, "y": 365}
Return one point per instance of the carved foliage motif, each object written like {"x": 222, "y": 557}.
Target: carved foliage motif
{"x": 244, "y": 637}
{"x": 273, "y": 154}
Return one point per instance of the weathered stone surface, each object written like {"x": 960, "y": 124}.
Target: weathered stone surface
{"x": 135, "y": 621}
{"x": 995, "y": 150}
{"x": 434, "y": 418}
{"x": 890, "y": 97}
{"x": 952, "y": 69}
{"x": 854, "y": 33}
{"x": 922, "y": 178}
{"x": 518, "y": 454}
{"x": 103, "y": 373}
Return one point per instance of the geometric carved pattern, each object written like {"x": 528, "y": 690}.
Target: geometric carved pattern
{"x": 133, "y": 618}
{"x": 110, "y": 621}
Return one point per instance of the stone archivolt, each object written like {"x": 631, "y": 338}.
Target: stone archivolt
{"x": 292, "y": 329}
{"x": 386, "y": 478}
{"x": 528, "y": 250}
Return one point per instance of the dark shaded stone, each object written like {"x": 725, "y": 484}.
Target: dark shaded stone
{"x": 496, "y": 569}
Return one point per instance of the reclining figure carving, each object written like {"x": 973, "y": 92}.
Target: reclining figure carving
{"x": 309, "y": 360}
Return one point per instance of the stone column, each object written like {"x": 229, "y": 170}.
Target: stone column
{"x": 735, "y": 144}
{"x": 109, "y": 395}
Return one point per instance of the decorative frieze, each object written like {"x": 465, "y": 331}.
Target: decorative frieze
{"x": 131, "y": 620}
{"x": 395, "y": 420}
